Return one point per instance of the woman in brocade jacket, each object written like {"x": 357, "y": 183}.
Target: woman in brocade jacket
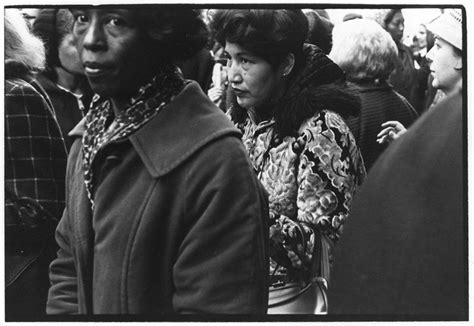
{"x": 289, "y": 102}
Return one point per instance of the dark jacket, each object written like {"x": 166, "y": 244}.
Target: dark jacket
{"x": 380, "y": 103}
{"x": 66, "y": 106}
{"x": 404, "y": 76}
{"x": 404, "y": 250}
{"x": 179, "y": 224}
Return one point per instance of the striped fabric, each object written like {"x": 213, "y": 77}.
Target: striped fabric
{"x": 35, "y": 154}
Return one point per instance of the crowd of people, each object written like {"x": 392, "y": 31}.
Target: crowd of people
{"x": 166, "y": 160}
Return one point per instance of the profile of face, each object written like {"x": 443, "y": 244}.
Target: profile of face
{"x": 253, "y": 79}
{"x": 446, "y": 65}
{"x": 396, "y": 26}
{"x": 110, "y": 44}
{"x": 69, "y": 57}
{"x": 421, "y": 37}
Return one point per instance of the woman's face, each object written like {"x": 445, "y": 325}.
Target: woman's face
{"x": 110, "y": 45}
{"x": 421, "y": 37}
{"x": 253, "y": 80}
{"x": 69, "y": 57}
{"x": 445, "y": 65}
{"x": 396, "y": 27}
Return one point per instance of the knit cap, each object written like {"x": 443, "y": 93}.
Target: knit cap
{"x": 448, "y": 26}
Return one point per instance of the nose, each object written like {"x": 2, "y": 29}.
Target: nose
{"x": 234, "y": 74}
{"x": 429, "y": 55}
{"x": 94, "y": 37}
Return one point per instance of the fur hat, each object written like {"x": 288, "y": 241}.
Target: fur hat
{"x": 448, "y": 26}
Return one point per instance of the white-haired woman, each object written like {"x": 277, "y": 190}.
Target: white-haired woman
{"x": 35, "y": 164}
{"x": 367, "y": 53}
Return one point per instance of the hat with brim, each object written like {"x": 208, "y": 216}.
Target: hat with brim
{"x": 448, "y": 26}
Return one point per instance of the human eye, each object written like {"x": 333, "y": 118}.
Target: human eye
{"x": 117, "y": 22}
{"x": 80, "y": 17}
{"x": 245, "y": 62}
{"x": 227, "y": 58}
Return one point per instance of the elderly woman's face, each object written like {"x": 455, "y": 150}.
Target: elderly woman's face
{"x": 253, "y": 80}
{"x": 445, "y": 65}
{"x": 116, "y": 60}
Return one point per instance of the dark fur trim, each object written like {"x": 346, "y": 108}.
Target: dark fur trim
{"x": 338, "y": 97}
{"x": 318, "y": 85}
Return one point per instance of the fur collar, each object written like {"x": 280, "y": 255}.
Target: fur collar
{"x": 318, "y": 84}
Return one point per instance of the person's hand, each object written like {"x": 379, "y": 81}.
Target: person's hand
{"x": 216, "y": 93}
{"x": 392, "y": 130}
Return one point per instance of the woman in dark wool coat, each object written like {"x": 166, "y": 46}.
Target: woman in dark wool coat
{"x": 164, "y": 213}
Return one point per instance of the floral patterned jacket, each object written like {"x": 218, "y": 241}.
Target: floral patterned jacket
{"x": 311, "y": 180}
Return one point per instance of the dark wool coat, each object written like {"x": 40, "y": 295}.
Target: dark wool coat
{"x": 404, "y": 250}
{"x": 179, "y": 224}
{"x": 380, "y": 103}
{"x": 404, "y": 76}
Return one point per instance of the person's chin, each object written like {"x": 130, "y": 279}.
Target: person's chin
{"x": 244, "y": 103}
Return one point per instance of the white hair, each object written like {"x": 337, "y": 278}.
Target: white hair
{"x": 363, "y": 49}
{"x": 20, "y": 44}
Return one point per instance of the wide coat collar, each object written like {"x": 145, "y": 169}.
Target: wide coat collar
{"x": 178, "y": 131}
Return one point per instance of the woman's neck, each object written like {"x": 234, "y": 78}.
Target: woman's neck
{"x": 455, "y": 87}
{"x": 68, "y": 81}
{"x": 265, "y": 111}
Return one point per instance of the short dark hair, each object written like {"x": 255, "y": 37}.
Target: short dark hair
{"x": 177, "y": 33}
{"x": 389, "y": 16}
{"x": 269, "y": 33}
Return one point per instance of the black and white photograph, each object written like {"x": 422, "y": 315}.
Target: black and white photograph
{"x": 235, "y": 162}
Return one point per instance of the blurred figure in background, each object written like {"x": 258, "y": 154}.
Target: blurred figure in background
{"x": 351, "y": 16}
{"x": 319, "y": 29}
{"x": 403, "y": 78}
{"x": 423, "y": 42}
{"x": 29, "y": 14}
{"x": 63, "y": 79}
{"x": 289, "y": 103}
{"x": 368, "y": 54}
{"x": 218, "y": 90}
{"x": 200, "y": 65}
{"x": 445, "y": 64}
{"x": 35, "y": 166}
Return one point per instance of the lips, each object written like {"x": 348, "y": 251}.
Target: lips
{"x": 95, "y": 69}
{"x": 238, "y": 92}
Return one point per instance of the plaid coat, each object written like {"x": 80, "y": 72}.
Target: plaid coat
{"x": 35, "y": 153}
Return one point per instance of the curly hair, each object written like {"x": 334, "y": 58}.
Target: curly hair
{"x": 363, "y": 49}
{"x": 269, "y": 33}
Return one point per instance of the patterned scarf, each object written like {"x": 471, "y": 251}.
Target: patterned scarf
{"x": 103, "y": 127}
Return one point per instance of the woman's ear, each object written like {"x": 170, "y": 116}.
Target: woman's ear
{"x": 458, "y": 65}
{"x": 288, "y": 64}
